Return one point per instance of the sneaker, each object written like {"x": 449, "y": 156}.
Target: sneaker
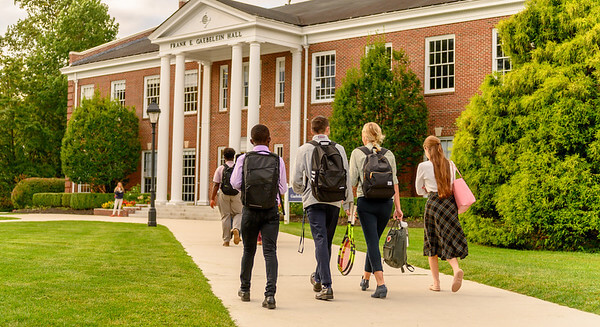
{"x": 244, "y": 295}
{"x": 364, "y": 284}
{"x": 112, "y": 215}
{"x": 269, "y": 302}
{"x": 325, "y": 294}
{"x": 380, "y": 292}
{"x": 316, "y": 285}
{"x": 236, "y": 236}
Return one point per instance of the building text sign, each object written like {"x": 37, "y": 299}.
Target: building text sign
{"x": 206, "y": 39}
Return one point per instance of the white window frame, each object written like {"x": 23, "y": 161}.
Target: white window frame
{"x": 388, "y": 45}
{"x": 223, "y": 89}
{"x": 427, "y": 88}
{"x": 87, "y": 92}
{"x": 495, "y": 56}
{"x": 445, "y": 140}
{"x": 243, "y": 144}
{"x": 220, "y": 156}
{"x": 190, "y": 82}
{"x": 113, "y": 91}
{"x": 278, "y": 149}
{"x": 146, "y": 171}
{"x": 245, "y": 84}
{"x": 279, "y": 82}
{"x": 84, "y": 188}
{"x": 314, "y": 78}
{"x": 192, "y": 167}
{"x": 146, "y": 79}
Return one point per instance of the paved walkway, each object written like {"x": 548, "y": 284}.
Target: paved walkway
{"x": 409, "y": 303}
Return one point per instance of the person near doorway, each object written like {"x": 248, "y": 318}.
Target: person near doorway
{"x": 228, "y": 199}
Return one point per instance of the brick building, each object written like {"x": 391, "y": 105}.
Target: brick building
{"x": 217, "y": 67}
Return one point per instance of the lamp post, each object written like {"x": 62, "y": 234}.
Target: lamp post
{"x": 153, "y": 113}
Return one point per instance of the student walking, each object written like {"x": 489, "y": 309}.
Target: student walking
{"x": 119, "y": 192}
{"x": 373, "y": 175}
{"x": 320, "y": 175}
{"x": 444, "y": 237}
{"x": 229, "y": 199}
{"x": 260, "y": 176}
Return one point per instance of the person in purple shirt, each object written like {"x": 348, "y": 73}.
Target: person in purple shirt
{"x": 257, "y": 219}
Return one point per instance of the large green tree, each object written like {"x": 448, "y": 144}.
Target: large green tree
{"x": 382, "y": 90}
{"x": 101, "y": 145}
{"x": 529, "y": 145}
{"x": 33, "y": 92}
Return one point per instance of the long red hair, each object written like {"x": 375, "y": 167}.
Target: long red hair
{"x": 441, "y": 165}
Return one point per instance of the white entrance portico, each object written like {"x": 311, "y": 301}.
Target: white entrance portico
{"x": 207, "y": 31}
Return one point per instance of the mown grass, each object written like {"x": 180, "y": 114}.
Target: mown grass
{"x": 566, "y": 278}
{"x": 9, "y": 218}
{"x": 99, "y": 274}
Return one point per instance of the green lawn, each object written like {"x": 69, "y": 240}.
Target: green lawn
{"x": 97, "y": 274}
{"x": 9, "y": 218}
{"x": 567, "y": 278}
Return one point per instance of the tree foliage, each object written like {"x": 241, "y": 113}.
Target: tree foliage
{"x": 392, "y": 98}
{"x": 529, "y": 145}
{"x": 33, "y": 92}
{"x": 101, "y": 145}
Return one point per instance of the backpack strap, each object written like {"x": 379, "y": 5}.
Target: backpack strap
{"x": 366, "y": 150}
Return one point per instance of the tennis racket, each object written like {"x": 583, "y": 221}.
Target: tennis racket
{"x": 347, "y": 248}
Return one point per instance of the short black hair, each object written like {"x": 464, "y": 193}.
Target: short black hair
{"x": 319, "y": 124}
{"x": 229, "y": 153}
{"x": 260, "y": 134}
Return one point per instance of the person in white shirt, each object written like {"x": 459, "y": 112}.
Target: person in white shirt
{"x": 444, "y": 237}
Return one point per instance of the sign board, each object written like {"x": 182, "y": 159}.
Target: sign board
{"x": 293, "y": 196}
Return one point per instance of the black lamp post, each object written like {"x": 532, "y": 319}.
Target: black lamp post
{"x": 153, "y": 113}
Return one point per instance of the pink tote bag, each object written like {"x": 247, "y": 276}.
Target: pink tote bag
{"x": 462, "y": 194}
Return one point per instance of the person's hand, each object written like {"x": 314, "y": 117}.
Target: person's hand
{"x": 213, "y": 203}
{"x": 398, "y": 214}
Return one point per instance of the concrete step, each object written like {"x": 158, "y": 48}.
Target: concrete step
{"x": 180, "y": 212}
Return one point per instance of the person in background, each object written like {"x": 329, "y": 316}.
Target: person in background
{"x": 229, "y": 199}
{"x": 444, "y": 237}
{"x": 119, "y": 192}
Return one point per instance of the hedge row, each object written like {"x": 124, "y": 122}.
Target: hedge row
{"x": 52, "y": 200}
{"x": 22, "y": 194}
{"x": 411, "y": 207}
{"x": 72, "y": 200}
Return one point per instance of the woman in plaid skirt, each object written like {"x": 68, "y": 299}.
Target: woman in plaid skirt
{"x": 444, "y": 237}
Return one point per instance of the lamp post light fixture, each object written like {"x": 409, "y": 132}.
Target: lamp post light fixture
{"x": 153, "y": 113}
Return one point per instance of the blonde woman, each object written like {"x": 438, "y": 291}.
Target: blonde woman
{"x": 444, "y": 237}
{"x": 119, "y": 191}
{"x": 374, "y": 211}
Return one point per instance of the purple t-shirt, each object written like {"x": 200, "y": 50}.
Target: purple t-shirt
{"x": 236, "y": 176}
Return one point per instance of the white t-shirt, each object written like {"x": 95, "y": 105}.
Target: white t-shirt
{"x": 425, "y": 181}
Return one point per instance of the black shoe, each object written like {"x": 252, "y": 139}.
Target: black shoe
{"x": 364, "y": 284}
{"x": 380, "y": 292}
{"x": 244, "y": 295}
{"x": 325, "y": 294}
{"x": 269, "y": 302}
{"x": 316, "y": 285}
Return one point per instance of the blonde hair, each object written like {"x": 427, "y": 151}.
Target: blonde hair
{"x": 441, "y": 165}
{"x": 372, "y": 132}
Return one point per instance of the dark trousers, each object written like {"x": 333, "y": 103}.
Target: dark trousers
{"x": 374, "y": 215}
{"x": 265, "y": 221}
{"x": 323, "y": 220}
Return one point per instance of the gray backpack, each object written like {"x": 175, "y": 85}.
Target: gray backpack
{"x": 394, "y": 249}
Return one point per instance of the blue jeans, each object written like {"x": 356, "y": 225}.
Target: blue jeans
{"x": 267, "y": 222}
{"x": 374, "y": 215}
{"x": 323, "y": 220}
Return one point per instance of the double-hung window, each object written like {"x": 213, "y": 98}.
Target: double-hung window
{"x": 147, "y": 171}
{"x": 117, "y": 91}
{"x": 323, "y": 86}
{"x": 223, "y": 88}
{"x": 245, "y": 79}
{"x": 190, "y": 93}
{"x": 87, "y": 91}
{"x": 151, "y": 92}
{"x": 388, "y": 51}
{"x": 501, "y": 61}
{"x": 280, "y": 82}
{"x": 439, "y": 64}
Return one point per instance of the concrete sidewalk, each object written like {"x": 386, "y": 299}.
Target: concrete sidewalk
{"x": 409, "y": 302}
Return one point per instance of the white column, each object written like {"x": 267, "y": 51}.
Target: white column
{"x": 253, "y": 91}
{"x": 177, "y": 153}
{"x": 205, "y": 135}
{"x": 235, "y": 105}
{"x": 294, "y": 116}
{"x": 162, "y": 172}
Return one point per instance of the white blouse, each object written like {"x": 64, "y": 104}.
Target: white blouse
{"x": 425, "y": 181}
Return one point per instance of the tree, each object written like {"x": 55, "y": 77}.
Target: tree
{"x": 529, "y": 145}
{"x": 33, "y": 92}
{"x": 392, "y": 98}
{"x": 101, "y": 144}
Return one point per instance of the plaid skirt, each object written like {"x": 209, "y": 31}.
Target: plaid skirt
{"x": 444, "y": 236}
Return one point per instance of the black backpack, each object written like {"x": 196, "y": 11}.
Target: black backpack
{"x": 260, "y": 180}
{"x": 378, "y": 178}
{"x": 226, "y": 187}
{"x": 328, "y": 175}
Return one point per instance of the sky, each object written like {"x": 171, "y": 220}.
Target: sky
{"x": 132, "y": 15}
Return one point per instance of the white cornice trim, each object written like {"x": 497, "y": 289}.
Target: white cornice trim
{"x": 113, "y": 66}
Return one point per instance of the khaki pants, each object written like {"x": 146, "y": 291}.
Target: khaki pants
{"x": 230, "y": 207}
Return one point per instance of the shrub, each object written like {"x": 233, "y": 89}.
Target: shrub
{"x": 89, "y": 200}
{"x": 108, "y": 205}
{"x": 66, "y": 200}
{"x": 413, "y": 207}
{"x": 22, "y": 194}
{"x": 52, "y": 200}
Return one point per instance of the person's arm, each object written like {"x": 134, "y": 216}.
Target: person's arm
{"x": 213, "y": 194}
{"x": 420, "y": 181}
{"x": 282, "y": 177}
{"x": 349, "y": 195}
{"x": 398, "y": 214}
{"x": 298, "y": 171}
